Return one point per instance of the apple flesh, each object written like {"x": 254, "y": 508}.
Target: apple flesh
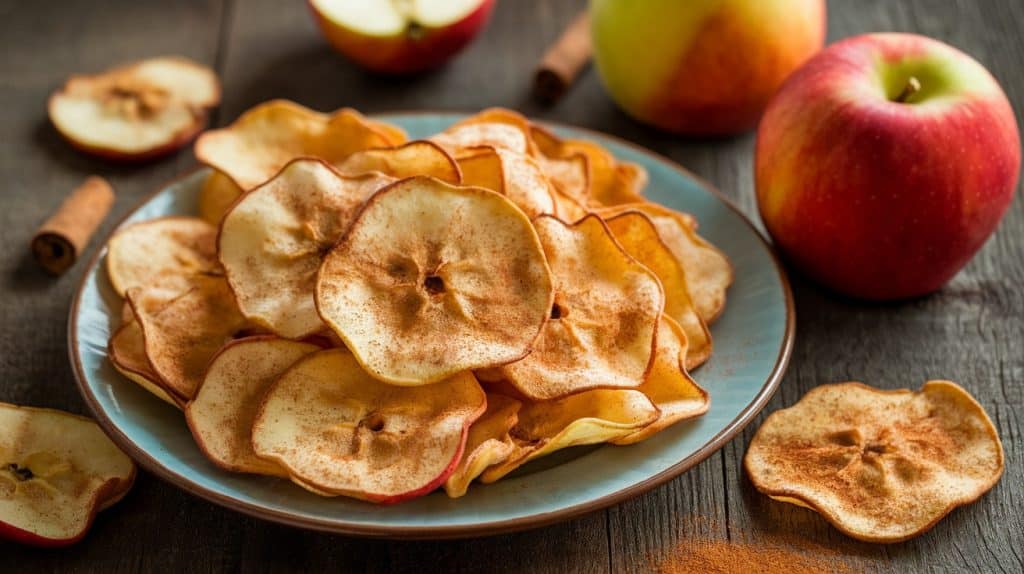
{"x": 702, "y": 67}
{"x": 400, "y": 36}
{"x": 884, "y": 164}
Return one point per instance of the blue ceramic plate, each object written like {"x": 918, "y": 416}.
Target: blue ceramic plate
{"x": 753, "y": 340}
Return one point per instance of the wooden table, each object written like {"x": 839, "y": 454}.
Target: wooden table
{"x": 972, "y": 331}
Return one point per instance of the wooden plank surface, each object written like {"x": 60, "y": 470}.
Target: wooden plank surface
{"x": 972, "y": 331}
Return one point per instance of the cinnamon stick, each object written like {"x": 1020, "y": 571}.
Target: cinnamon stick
{"x": 62, "y": 238}
{"x": 563, "y": 61}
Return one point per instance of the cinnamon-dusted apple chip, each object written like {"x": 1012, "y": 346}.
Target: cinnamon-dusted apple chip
{"x": 419, "y": 157}
{"x": 602, "y": 325}
{"x": 609, "y": 182}
{"x": 265, "y": 138}
{"x": 222, "y": 413}
{"x": 433, "y": 279}
{"x": 127, "y": 351}
{"x": 639, "y": 237}
{"x": 339, "y": 430}
{"x": 881, "y": 466}
{"x": 273, "y": 240}
{"x": 141, "y": 251}
{"x": 495, "y": 127}
{"x": 590, "y": 417}
{"x": 668, "y": 385}
{"x": 488, "y": 444}
{"x": 513, "y": 175}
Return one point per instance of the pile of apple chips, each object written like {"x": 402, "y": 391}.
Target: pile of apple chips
{"x": 376, "y": 318}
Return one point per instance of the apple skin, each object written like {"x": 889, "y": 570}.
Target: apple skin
{"x": 702, "y": 67}
{"x": 404, "y": 54}
{"x": 879, "y": 199}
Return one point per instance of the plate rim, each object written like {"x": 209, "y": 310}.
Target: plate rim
{"x": 443, "y": 532}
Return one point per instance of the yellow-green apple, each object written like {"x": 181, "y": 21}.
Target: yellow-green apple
{"x": 884, "y": 163}
{"x": 400, "y": 36}
{"x": 702, "y": 66}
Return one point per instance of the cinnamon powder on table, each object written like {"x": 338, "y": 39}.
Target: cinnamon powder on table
{"x": 789, "y": 555}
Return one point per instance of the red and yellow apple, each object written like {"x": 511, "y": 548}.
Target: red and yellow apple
{"x": 702, "y": 66}
{"x": 400, "y": 36}
{"x": 884, "y": 163}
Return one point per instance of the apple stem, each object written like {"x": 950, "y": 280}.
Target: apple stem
{"x": 912, "y": 87}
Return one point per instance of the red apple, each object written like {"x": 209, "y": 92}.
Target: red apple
{"x": 400, "y": 36}
{"x": 884, "y": 163}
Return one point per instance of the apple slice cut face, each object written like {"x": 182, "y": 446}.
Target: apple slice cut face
{"x": 273, "y": 240}
{"x": 603, "y": 321}
{"x": 488, "y": 444}
{"x": 56, "y": 471}
{"x": 339, "y": 430}
{"x": 144, "y": 250}
{"x": 222, "y": 413}
{"x": 433, "y": 279}
{"x": 394, "y": 18}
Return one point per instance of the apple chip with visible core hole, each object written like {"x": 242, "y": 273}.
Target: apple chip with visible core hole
{"x": 604, "y": 318}
{"x": 637, "y": 234}
{"x": 222, "y": 413}
{"x": 590, "y": 417}
{"x": 273, "y": 240}
{"x": 183, "y": 334}
{"x": 141, "y": 251}
{"x": 668, "y": 385}
{"x": 488, "y": 444}
{"x": 419, "y": 157}
{"x": 433, "y": 279}
{"x": 880, "y": 465}
{"x": 137, "y": 111}
{"x": 513, "y": 175}
{"x": 57, "y": 470}
{"x": 708, "y": 271}
{"x": 336, "y": 428}
{"x": 127, "y": 352}
{"x": 268, "y": 136}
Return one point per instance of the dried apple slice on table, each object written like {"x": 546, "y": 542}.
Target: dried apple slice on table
{"x": 881, "y": 466}
{"x": 513, "y": 175}
{"x": 488, "y": 444}
{"x": 141, "y": 251}
{"x": 137, "y": 111}
{"x": 419, "y": 157}
{"x": 272, "y": 241}
{"x": 336, "y": 428}
{"x": 604, "y": 318}
{"x": 222, "y": 413}
{"x": 57, "y": 470}
{"x": 433, "y": 279}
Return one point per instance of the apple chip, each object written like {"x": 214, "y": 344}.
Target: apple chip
{"x": 339, "y": 430}
{"x": 127, "y": 351}
{"x": 668, "y": 385}
{"x": 183, "y": 334}
{"x": 222, "y": 413}
{"x": 513, "y": 175}
{"x": 216, "y": 196}
{"x": 638, "y": 236}
{"x": 273, "y": 240}
{"x": 495, "y": 127}
{"x": 141, "y": 251}
{"x": 590, "y": 417}
{"x": 881, "y": 466}
{"x": 603, "y": 321}
{"x": 488, "y": 444}
{"x": 265, "y": 138}
{"x": 609, "y": 182}
{"x": 394, "y": 134}
{"x": 433, "y": 279}
{"x": 414, "y": 158}
{"x": 137, "y": 111}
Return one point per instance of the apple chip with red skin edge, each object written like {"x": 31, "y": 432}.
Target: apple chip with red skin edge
{"x": 590, "y": 417}
{"x": 266, "y": 137}
{"x": 880, "y": 465}
{"x": 638, "y": 236}
{"x": 668, "y": 385}
{"x": 433, "y": 279}
{"x": 273, "y": 240}
{"x": 418, "y": 157}
{"x": 488, "y": 444}
{"x": 222, "y": 413}
{"x": 513, "y": 175}
{"x": 57, "y": 470}
{"x": 127, "y": 352}
{"x": 138, "y": 111}
{"x": 141, "y": 251}
{"x": 604, "y": 318}
{"x": 336, "y": 428}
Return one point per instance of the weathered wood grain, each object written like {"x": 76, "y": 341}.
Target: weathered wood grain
{"x": 972, "y": 331}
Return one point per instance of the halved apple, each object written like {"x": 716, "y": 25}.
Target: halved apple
{"x": 56, "y": 471}
{"x": 137, "y": 111}
{"x": 489, "y": 443}
{"x": 339, "y": 430}
{"x": 403, "y": 36}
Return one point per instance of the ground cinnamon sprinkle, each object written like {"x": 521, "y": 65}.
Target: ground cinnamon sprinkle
{"x": 722, "y": 556}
